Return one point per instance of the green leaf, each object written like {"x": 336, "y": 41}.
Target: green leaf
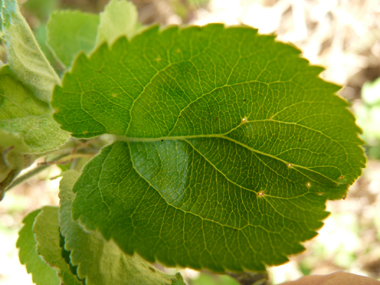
{"x": 40, "y": 8}
{"x": 27, "y": 128}
{"x": 79, "y": 34}
{"x": 99, "y": 261}
{"x": 118, "y": 19}
{"x": 42, "y": 274}
{"x": 46, "y": 232}
{"x": 24, "y": 56}
{"x": 232, "y": 144}
{"x": 26, "y": 123}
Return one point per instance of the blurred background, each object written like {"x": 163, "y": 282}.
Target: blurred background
{"x": 341, "y": 35}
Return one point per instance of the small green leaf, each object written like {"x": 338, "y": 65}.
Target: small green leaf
{"x": 24, "y": 56}
{"x": 42, "y": 274}
{"x": 231, "y": 144}
{"x": 99, "y": 261}
{"x": 70, "y": 32}
{"x": 118, "y": 19}
{"x": 46, "y": 232}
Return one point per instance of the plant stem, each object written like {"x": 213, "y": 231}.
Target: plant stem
{"x": 31, "y": 173}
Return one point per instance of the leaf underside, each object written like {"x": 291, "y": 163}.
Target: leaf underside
{"x": 229, "y": 146}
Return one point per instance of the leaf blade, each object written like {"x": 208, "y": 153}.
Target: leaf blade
{"x": 118, "y": 19}
{"x": 197, "y": 224}
{"x": 27, "y": 128}
{"x": 25, "y": 57}
{"x": 79, "y": 34}
{"x": 42, "y": 274}
{"x": 221, "y": 127}
{"x": 46, "y": 232}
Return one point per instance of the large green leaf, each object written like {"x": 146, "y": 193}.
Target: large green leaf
{"x": 42, "y": 274}
{"x": 99, "y": 261}
{"x": 24, "y": 56}
{"x": 231, "y": 146}
{"x": 79, "y": 34}
{"x": 46, "y": 232}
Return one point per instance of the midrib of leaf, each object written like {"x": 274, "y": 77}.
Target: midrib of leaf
{"x": 224, "y": 136}
{"x": 200, "y": 97}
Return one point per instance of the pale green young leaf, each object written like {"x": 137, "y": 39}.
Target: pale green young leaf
{"x": 27, "y": 128}
{"x": 99, "y": 261}
{"x": 79, "y": 34}
{"x": 118, "y": 19}
{"x": 26, "y": 123}
{"x": 24, "y": 56}
{"x": 42, "y": 274}
{"x": 46, "y": 232}
{"x": 231, "y": 146}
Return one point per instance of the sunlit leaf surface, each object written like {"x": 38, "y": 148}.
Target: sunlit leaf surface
{"x": 229, "y": 146}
